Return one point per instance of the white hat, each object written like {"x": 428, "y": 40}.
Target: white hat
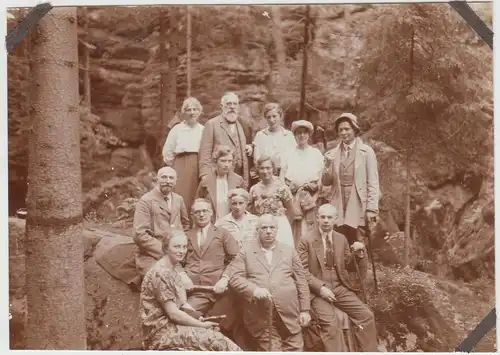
{"x": 302, "y": 123}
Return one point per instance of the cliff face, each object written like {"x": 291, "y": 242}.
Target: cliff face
{"x": 452, "y": 200}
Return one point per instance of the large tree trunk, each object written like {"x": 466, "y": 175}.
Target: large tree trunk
{"x": 86, "y": 63}
{"x": 54, "y": 244}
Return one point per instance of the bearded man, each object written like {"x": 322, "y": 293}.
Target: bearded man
{"x": 225, "y": 129}
{"x": 157, "y": 212}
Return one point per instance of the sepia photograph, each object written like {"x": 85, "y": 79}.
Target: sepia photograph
{"x": 250, "y": 177}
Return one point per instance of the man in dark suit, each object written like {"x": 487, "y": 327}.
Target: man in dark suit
{"x": 270, "y": 279}
{"x": 225, "y": 129}
{"x": 210, "y": 250}
{"x": 326, "y": 256}
{"x": 157, "y": 212}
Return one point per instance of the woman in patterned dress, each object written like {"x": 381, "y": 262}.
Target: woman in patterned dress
{"x": 166, "y": 325}
{"x": 181, "y": 149}
{"x": 271, "y": 195}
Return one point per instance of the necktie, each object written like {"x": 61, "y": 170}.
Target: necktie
{"x": 201, "y": 237}
{"x": 329, "y": 252}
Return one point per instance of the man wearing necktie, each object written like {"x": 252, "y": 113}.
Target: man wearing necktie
{"x": 269, "y": 278}
{"x": 351, "y": 169}
{"x": 157, "y": 212}
{"x": 326, "y": 257}
{"x": 210, "y": 250}
{"x": 226, "y": 129}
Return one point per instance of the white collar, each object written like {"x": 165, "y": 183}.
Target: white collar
{"x": 350, "y": 146}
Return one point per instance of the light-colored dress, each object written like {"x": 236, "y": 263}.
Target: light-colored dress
{"x": 302, "y": 166}
{"x": 273, "y": 144}
{"x": 160, "y": 285}
{"x": 243, "y": 230}
{"x": 272, "y": 199}
{"x": 181, "y": 152}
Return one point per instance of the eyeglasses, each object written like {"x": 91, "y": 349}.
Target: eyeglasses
{"x": 201, "y": 212}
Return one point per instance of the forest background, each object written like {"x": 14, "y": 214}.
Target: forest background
{"x": 417, "y": 75}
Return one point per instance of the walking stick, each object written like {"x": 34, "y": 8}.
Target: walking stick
{"x": 270, "y": 325}
{"x": 369, "y": 235}
{"x": 361, "y": 281}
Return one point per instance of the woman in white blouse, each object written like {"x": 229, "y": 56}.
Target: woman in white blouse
{"x": 274, "y": 140}
{"x": 302, "y": 171}
{"x": 181, "y": 149}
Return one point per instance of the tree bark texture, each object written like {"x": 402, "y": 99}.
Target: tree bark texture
{"x": 303, "y": 82}
{"x": 54, "y": 243}
{"x": 86, "y": 63}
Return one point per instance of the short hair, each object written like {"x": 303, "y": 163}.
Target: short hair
{"x": 193, "y": 101}
{"x": 272, "y": 106}
{"x": 238, "y": 192}
{"x": 262, "y": 159}
{"x": 261, "y": 217}
{"x": 327, "y": 205}
{"x": 166, "y": 236}
{"x": 166, "y": 168}
{"x": 201, "y": 200}
{"x": 221, "y": 151}
{"x": 229, "y": 93}
{"x": 356, "y": 129}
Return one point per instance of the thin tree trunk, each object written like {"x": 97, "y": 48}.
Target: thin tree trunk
{"x": 164, "y": 72}
{"x": 173, "y": 62}
{"x": 188, "y": 50}
{"x": 304, "y": 65}
{"x": 86, "y": 63}
{"x": 54, "y": 243}
{"x": 279, "y": 43}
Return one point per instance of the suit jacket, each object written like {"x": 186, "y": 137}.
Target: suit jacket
{"x": 216, "y": 132}
{"x": 285, "y": 279}
{"x": 366, "y": 183}
{"x": 153, "y": 217}
{"x": 207, "y": 188}
{"x": 206, "y": 265}
{"x": 312, "y": 255}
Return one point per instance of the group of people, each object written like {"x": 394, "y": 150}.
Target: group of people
{"x": 267, "y": 261}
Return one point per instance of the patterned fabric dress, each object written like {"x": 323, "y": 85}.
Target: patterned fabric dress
{"x": 271, "y": 199}
{"x": 160, "y": 285}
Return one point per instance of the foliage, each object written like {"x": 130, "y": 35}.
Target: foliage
{"x": 425, "y": 85}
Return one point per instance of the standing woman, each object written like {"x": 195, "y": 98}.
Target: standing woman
{"x": 351, "y": 169}
{"x": 274, "y": 140}
{"x": 216, "y": 184}
{"x": 302, "y": 171}
{"x": 271, "y": 196}
{"x": 181, "y": 149}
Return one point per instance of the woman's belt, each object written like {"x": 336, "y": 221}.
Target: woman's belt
{"x": 184, "y": 153}
{"x": 346, "y": 185}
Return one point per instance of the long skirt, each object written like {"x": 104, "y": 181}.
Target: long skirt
{"x": 187, "y": 338}
{"x": 285, "y": 234}
{"x": 186, "y": 166}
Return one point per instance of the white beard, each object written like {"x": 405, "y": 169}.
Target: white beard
{"x": 231, "y": 116}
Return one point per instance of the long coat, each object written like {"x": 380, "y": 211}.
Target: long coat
{"x": 285, "y": 279}
{"x": 207, "y": 188}
{"x": 153, "y": 217}
{"x": 366, "y": 184}
{"x": 217, "y": 132}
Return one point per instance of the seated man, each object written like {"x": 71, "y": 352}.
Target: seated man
{"x": 325, "y": 255}
{"x": 210, "y": 250}
{"x": 156, "y": 213}
{"x": 270, "y": 279}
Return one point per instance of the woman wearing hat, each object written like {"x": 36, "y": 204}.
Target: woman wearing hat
{"x": 301, "y": 171}
{"x": 351, "y": 169}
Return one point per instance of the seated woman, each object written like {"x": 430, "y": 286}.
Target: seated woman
{"x": 272, "y": 196}
{"x": 165, "y": 325}
{"x": 215, "y": 186}
{"x": 239, "y": 222}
